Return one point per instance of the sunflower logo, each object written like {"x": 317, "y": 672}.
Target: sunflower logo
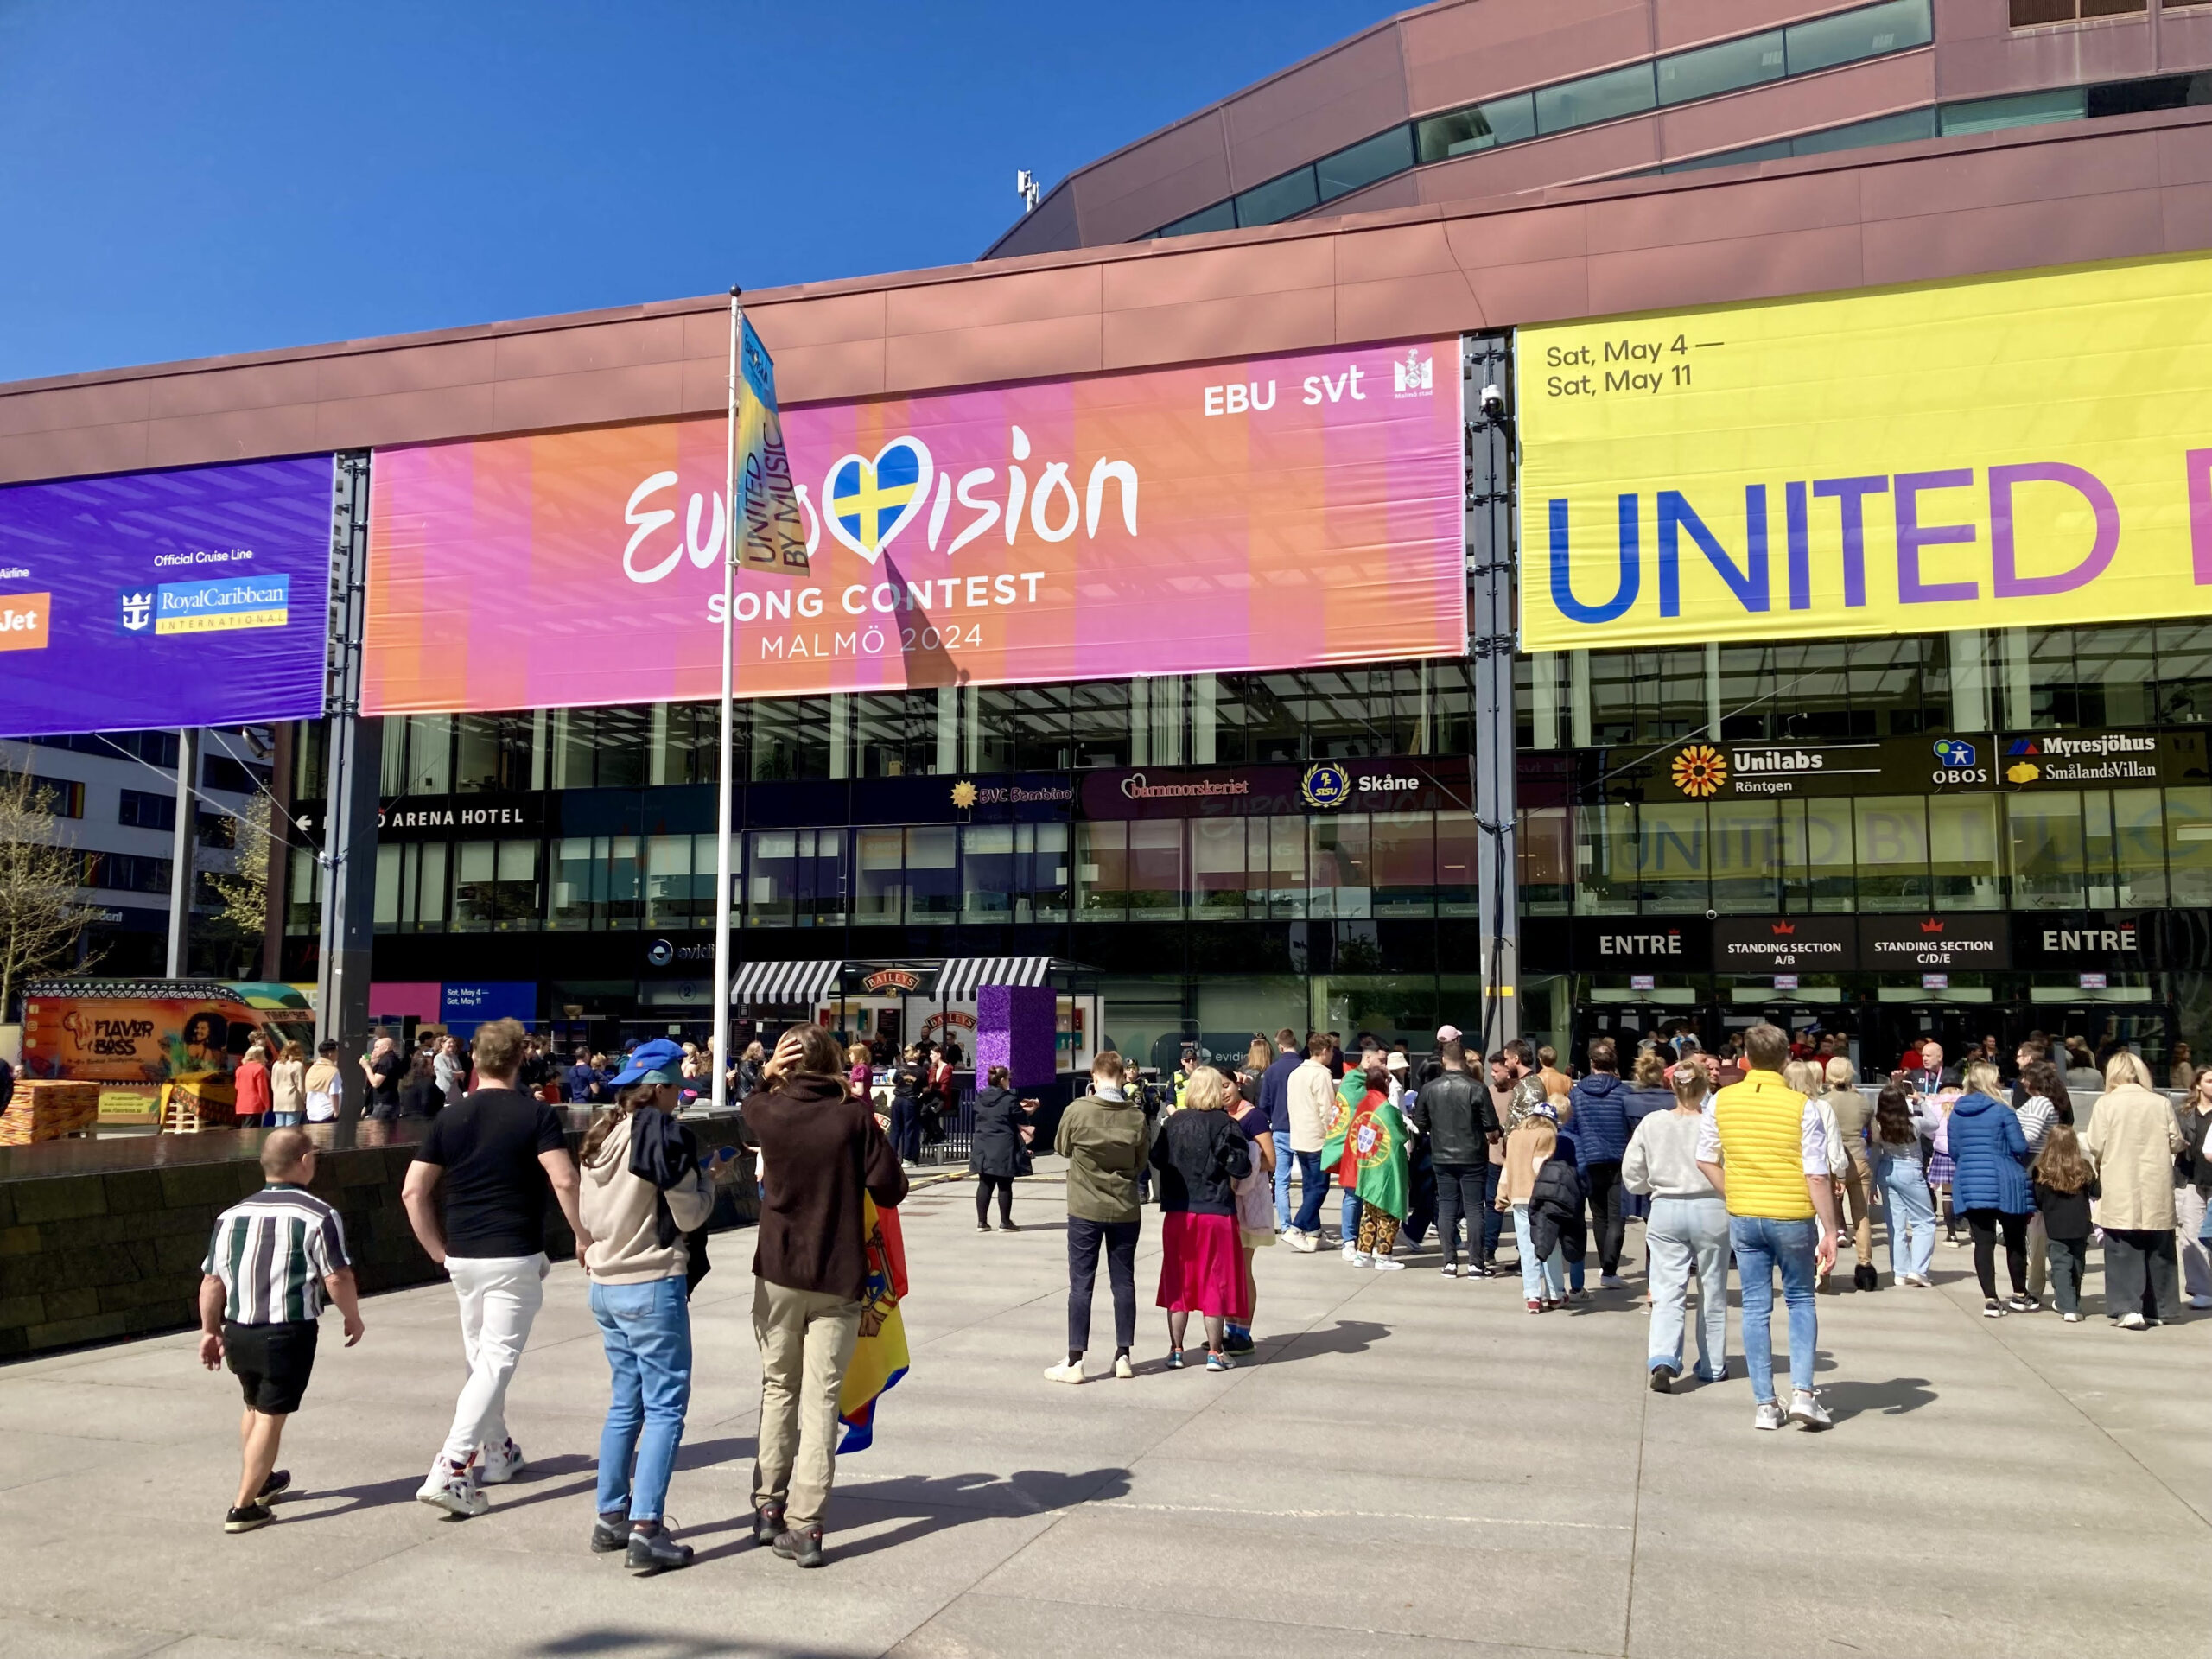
{"x": 1699, "y": 771}
{"x": 963, "y": 794}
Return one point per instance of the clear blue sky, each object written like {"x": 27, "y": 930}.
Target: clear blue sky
{"x": 183, "y": 179}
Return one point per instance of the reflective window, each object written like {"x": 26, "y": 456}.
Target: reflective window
{"x": 1965, "y": 853}
{"x": 1595, "y": 98}
{"x": 1402, "y": 849}
{"x": 879, "y": 863}
{"x": 1866, "y": 33}
{"x": 494, "y": 885}
{"x": 1502, "y": 121}
{"x": 2045, "y": 831}
{"x": 794, "y": 878}
{"x": 1891, "y": 832}
{"x": 1547, "y": 857}
{"x": 1278, "y": 199}
{"x": 1720, "y": 68}
{"x": 2022, "y": 109}
{"x": 2123, "y": 842}
{"x": 1102, "y": 870}
{"x": 1673, "y": 848}
{"x": 932, "y": 873}
{"x": 1363, "y": 163}
{"x": 1342, "y": 882}
{"x": 1222, "y": 216}
{"x": 1155, "y": 870}
{"x": 1217, "y": 866}
{"x": 1747, "y": 856}
{"x": 2184, "y": 659}
{"x": 2188, "y": 845}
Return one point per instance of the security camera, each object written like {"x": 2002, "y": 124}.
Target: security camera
{"x": 1493, "y": 401}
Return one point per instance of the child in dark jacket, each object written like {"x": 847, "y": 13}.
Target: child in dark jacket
{"x": 2063, "y": 1184}
{"x": 1556, "y": 1202}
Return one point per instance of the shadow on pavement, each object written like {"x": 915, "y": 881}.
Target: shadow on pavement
{"x": 931, "y": 1504}
{"x": 661, "y": 1644}
{"x": 1892, "y": 1398}
{"x": 1348, "y": 1337}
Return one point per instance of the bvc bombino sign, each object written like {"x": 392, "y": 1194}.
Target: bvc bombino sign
{"x": 1900, "y": 461}
{"x": 196, "y": 597}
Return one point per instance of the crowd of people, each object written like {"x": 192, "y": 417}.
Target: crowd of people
{"x": 637, "y": 1201}
{"x": 1766, "y": 1159}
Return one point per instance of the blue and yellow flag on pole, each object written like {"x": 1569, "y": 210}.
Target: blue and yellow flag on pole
{"x": 769, "y": 533}
{"x": 880, "y": 1357}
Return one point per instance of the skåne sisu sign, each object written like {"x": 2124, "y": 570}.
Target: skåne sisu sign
{"x": 1900, "y": 461}
{"x": 195, "y": 597}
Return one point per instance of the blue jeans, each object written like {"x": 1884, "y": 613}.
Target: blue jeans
{"x": 286, "y": 1120}
{"x": 1540, "y": 1281}
{"x": 1348, "y": 1219}
{"x": 646, "y": 1330}
{"x": 1310, "y": 1187}
{"x": 1282, "y": 1178}
{"x": 1686, "y": 1235}
{"x": 1912, "y": 1218}
{"x": 1761, "y": 1245}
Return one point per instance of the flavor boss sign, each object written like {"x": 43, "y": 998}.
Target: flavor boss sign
{"x": 1100, "y": 528}
{"x": 1901, "y": 461}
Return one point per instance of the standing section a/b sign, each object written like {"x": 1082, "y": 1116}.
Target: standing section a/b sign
{"x": 1276, "y": 512}
{"x": 197, "y": 597}
{"x": 1901, "y": 461}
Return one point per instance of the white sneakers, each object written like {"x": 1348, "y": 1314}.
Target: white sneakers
{"x": 1807, "y": 1411}
{"x": 2132, "y": 1322}
{"x": 1350, "y": 1250}
{"x": 2200, "y": 1301}
{"x": 1769, "y": 1414}
{"x": 1612, "y": 1281}
{"x": 1122, "y": 1369}
{"x": 454, "y": 1490}
{"x": 1357, "y": 1258}
{"x": 1388, "y": 1264}
{"x": 1305, "y": 1243}
{"x": 1069, "y": 1372}
{"x": 500, "y": 1465}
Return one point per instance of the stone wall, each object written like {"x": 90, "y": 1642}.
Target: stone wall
{"x": 96, "y": 1256}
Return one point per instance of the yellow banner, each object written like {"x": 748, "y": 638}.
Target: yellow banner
{"x": 2028, "y": 449}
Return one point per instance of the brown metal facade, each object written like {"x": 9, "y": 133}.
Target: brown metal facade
{"x": 2031, "y": 196}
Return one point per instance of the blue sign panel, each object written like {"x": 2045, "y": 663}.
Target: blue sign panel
{"x": 462, "y": 1008}
{"x": 197, "y": 597}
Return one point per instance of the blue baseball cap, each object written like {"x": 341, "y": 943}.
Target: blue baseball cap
{"x": 658, "y": 1061}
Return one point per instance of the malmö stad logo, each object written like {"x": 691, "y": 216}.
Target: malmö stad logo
{"x": 1699, "y": 771}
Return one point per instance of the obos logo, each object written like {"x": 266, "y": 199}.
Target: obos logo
{"x": 1955, "y": 752}
{"x": 1325, "y": 784}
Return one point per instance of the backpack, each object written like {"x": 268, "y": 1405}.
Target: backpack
{"x": 665, "y": 1152}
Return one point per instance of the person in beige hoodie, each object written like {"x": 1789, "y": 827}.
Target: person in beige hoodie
{"x": 1311, "y": 1095}
{"x": 637, "y": 1264}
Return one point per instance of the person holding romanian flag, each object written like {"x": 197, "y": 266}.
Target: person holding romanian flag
{"x": 1366, "y": 1149}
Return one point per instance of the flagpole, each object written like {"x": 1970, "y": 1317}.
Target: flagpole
{"x": 722, "y": 1058}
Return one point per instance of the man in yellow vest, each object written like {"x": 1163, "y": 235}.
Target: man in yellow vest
{"x": 1763, "y": 1148}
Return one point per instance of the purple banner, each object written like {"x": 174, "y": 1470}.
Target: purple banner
{"x": 197, "y": 597}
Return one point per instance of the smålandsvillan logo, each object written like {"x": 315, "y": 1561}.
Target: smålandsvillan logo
{"x": 1325, "y": 784}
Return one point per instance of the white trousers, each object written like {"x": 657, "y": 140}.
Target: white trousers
{"x": 499, "y": 1296}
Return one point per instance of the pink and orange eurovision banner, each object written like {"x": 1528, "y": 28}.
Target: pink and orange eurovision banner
{"x": 1278, "y": 512}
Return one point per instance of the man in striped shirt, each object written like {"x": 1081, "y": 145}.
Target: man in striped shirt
{"x": 273, "y": 1260}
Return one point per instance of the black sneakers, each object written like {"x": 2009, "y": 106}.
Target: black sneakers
{"x": 656, "y": 1552}
{"x": 610, "y": 1532}
{"x": 249, "y": 1517}
{"x": 1864, "y": 1277}
{"x": 1662, "y": 1379}
{"x": 805, "y": 1547}
{"x": 768, "y": 1523}
{"x": 279, "y": 1481}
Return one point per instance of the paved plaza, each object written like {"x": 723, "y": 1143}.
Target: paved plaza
{"x": 1413, "y": 1467}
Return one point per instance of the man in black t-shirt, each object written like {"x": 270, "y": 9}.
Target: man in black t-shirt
{"x": 475, "y": 1196}
{"x": 385, "y": 1068}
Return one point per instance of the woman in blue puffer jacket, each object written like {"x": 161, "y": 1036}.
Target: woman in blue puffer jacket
{"x": 1990, "y": 1187}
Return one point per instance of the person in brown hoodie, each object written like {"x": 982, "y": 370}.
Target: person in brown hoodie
{"x": 822, "y": 1154}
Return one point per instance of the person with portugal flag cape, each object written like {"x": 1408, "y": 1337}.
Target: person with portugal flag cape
{"x": 1366, "y": 1151}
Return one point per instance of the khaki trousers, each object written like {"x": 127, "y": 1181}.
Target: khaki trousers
{"x": 806, "y": 1341}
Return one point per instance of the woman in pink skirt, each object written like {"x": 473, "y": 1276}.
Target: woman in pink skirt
{"x": 1201, "y": 1154}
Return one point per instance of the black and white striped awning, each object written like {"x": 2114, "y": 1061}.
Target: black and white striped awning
{"x": 776, "y": 984}
{"x": 963, "y": 975}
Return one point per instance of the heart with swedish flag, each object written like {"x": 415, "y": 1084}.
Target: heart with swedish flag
{"x": 872, "y": 500}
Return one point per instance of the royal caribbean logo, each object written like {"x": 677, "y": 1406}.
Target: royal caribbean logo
{"x": 1325, "y": 784}
{"x": 134, "y": 611}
